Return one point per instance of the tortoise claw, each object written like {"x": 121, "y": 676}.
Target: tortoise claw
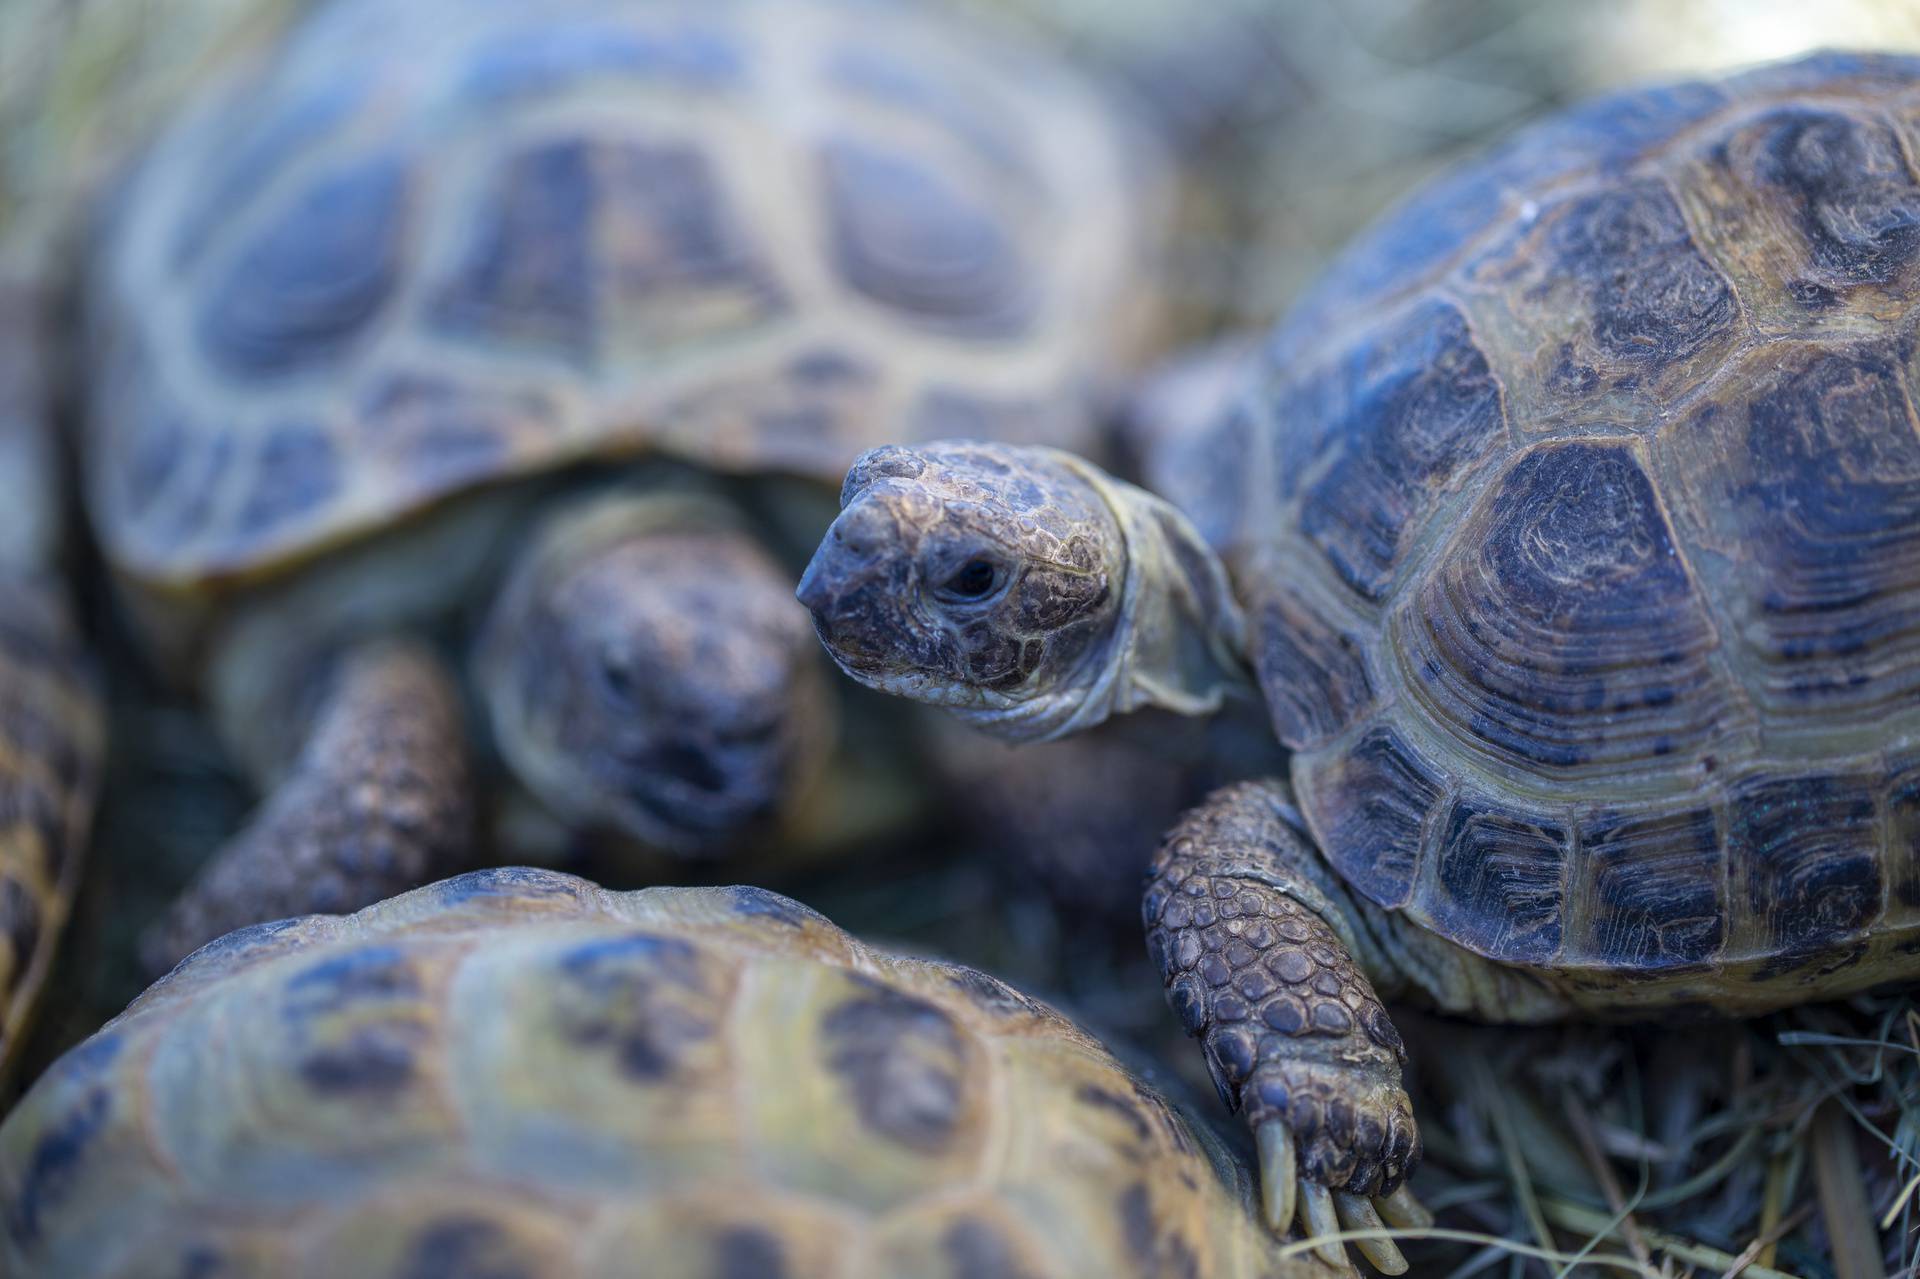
{"x": 1317, "y": 1219}
{"x": 1284, "y": 1194}
{"x": 1357, "y": 1213}
{"x": 1279, "y": 1173}
{"x": 1403, "y": 1210}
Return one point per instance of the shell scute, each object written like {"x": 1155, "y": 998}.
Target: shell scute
{"x": 1602, "y": 303}
{"x": 1313, "y": 668}
{"x": 303, "y": 290}
{"x": 1401, "y": 415}
{"x": 1500, "y": 881}
{"x": 296, "y": 474}
{"x": 907, "y": 237}
{"x": 1810, "y": 859}
{"x": 1370, "y": 808}
{"x": 1652, "y": 889}
{"x": 1837, "y": 185}
{"x": 1562, "y": 632}
{"x": 1804, "y": 482}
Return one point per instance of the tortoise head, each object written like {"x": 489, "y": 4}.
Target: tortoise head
{"x": 646, "y": 670}
{"x": 1020, "y": 587}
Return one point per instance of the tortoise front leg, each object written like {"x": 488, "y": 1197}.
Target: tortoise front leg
{"x": 377, "y": 802}
{"x": 1240, "y": 917}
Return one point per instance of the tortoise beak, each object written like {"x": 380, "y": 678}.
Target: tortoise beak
{"x": 856, "y": 584}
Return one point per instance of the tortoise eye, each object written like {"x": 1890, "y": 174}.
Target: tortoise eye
{"x": 975, "y": 579}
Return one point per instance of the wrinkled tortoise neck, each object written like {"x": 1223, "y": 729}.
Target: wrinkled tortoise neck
{"x": 1178, "y": 641}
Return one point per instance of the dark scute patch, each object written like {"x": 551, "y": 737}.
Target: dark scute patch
{"x": 303, "y": 290}
{"x": 372, "y": 991}
{"x": 671, "y": 242}
{"x": 53, "y": 1167}
{"x": 1562, "y": 630}
{"x": 1312, "y": 672}
{"x": 20, "y": 924}
{"x": 1812, "y": 487}
{"x": 558, "y": 56}
{"x": 1658, "y": 885}
{"x": 643, "y": 997}
{"x": 1136, "y": 1218}
{"x": 1846, "y": 185}
{"x": 297, "y": 472}
{"x": 1503, "y": 882}
{"x": 1121, "y": 1106}
{"x": 1371, "y": 807}
{"x": 582, "y": 234}
{"x": 758, "y": 903}
{"x": 745, "y": 1253}
{"x": 908, "y": 238}
{"x": 902, "y": 1061}
{"x": 465, "y": 1248}
{"x": 977, "y": 1250}
{"x": 370, "y": 973}
{"x": 1653, "y": 299}
{"x": 1401, "y": 412}
{"x": 1810, "y": 849}
{"x": 528, "y": 274}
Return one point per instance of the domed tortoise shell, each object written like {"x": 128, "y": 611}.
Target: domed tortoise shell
{"x": 430, "y": 246}
{"x": 1577, "y": 514}
{"x": 520, "y": 1068}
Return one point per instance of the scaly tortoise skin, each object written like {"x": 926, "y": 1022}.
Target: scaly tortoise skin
{"x": 518, "y": 1073}
{"x": 1571, "y": 529}
{"x": 364, "y": 316}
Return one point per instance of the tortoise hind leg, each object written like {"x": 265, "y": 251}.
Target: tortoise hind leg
{"x": 377, "y": 802}
{"x": 1237, "y": 910}
{"x": 52, "y": 739}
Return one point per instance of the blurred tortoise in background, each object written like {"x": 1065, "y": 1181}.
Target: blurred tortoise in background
{"x": 76, "y": 82}
{"x": 515, "y": 1072}
{"x": 1571, "y": 529}
{"x": 382, "y": 326}
{"x": 52, "y": 724}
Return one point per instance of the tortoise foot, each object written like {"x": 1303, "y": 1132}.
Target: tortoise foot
{"x": 1295, "y": 1038}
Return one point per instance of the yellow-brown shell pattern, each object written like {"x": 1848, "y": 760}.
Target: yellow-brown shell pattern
{"x": 1577, "y": 512}
{"x": 520, "y": 1069}
{"x": 428, "y": 247}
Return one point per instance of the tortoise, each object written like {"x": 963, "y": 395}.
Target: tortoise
{"x": 515, "y": 1072}
{"x": 52, "y": 721}
{"x": 1569, "y": 528}
{"x": 73, "y": 94}
{"x": 556, "y": 324}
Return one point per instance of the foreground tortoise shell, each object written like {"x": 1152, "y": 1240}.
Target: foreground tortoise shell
{"x": 750, "y": 235}
{"x": 517, "y": 1073}
{"x": 1576, "y": 513}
